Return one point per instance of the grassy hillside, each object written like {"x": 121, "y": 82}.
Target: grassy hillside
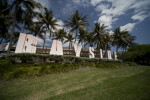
{"x": 130, "y": 83}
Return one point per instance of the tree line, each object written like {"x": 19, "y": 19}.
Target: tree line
{"x": 18, "y": 16}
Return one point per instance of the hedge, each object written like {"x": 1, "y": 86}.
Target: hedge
{"x": 25, "y": 70}
{"x": 41, "y": 58}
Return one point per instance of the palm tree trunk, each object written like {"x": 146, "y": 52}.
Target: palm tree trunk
{"x": 13, "y": 28}
{"x": 75, "y": 36}
{"x": 44, "y": 43}
{"x": 69, "y": 48}
{"x": 23, "y": 28}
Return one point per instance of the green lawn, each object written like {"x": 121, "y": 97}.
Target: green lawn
{"x": 131, "y": 83}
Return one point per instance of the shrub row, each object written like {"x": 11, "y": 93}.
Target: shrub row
{"x": 14, "y": 71}
{"x": 40, "y": 58}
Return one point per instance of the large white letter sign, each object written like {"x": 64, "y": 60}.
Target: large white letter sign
{"x": 77, "y": 49}
{"x": 26, "y": 43}
{"x": 109, "y": 54}
{"x": 91, "y": 52}
{"x": 56, "y": 48}
{"x": 101, "y": 53}
{"x": 115, "y": 55}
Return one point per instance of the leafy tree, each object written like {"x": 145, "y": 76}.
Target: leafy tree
{"x": 27, "y": 19}
{"x": 122, "y": 39}
{"x": 60, "y": 34}
{"x": 50, "y": 22}
{"x": 76, "y": 21}
{"x": 82, "y": 36}
{"x": 18, "y": 6}
{"x": 38, "y": 29}
{"x": 69, "y": 38}
{"x": 4, "y": 18}
{"x": 139, "y": 54}
{"x": 99, "y": 32}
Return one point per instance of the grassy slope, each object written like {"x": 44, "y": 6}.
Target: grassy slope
{"x": 132, "y": 83}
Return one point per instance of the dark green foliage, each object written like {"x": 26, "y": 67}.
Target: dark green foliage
{"x": 39, "y": 58}
{"x": 139, "y": 54}
{"x": 9, "y": 70}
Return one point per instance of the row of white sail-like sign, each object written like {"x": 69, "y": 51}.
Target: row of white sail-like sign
{"x": 27, "y": 44}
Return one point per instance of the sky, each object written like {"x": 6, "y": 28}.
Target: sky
{"x": 133, "y": 15}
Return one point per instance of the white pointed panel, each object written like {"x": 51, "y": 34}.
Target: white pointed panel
{"x": 56, "y": 48}
{"x": 109, "y": 54}
{"x": 77, "y": 49}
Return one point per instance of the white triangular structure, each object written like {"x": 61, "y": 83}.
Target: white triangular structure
{"x": 56, "y": 48}
{"x": 26, "y": 43}
{"x": 91, "y": 52}
{"x": 77, "y": 49}
{"x": 101, "y": 53}
{"x": 109, "y": 54}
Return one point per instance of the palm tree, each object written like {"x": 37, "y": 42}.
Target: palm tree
{"x": 27, "y": 19}
{"x": 69, "y": 38}
{"x": 4, "y": 18}
{"x": 82, "y": 36}
{"x": 107, "y": 41}
{"x": 18, "y": 6}
{"x": 38, "y": 29}
{"x": 128, "y": 40}
{"x": 89, "y": 40}
{"x": 76, "y": 21}
{"x": 122, "y": 39}
{"x": 49, "y": 21}
{"x": 99, "y": 32}
{"x": 60, "y": 35}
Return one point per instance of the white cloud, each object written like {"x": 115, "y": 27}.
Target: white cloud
{"x": 140, "y": 16}
{"x": 128, "y": 27}
{"x": 95, "y": 2}
{"x": 114, "y": 8}
{"x": 107, "y": 20}
{"x": 44, "y": 3}
{"x": 60, "y": 23}
{"x": 111, "y": 32}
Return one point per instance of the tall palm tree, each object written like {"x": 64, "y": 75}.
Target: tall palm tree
{"x": 122, "y": 39}
{"x": 82, "y": 36}
{"x": 107, "y": 41}
{"x": 76, "y": 21}
{"x": 128, "y": 40}
{"x": 50, "y": 22}
{"x": 89, "y": 40}
{"x": 37, "y": 29}
{"x": 18, "y": 6}
{"x": 99, "y": 32}
{"x": 69, "y": 38}
{"x": 4, "y": 18}
{"x": 27, "y": 19}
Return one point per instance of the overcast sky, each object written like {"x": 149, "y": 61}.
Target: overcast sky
{"x": 133, "y": 15}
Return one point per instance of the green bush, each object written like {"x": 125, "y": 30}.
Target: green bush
{"x": 40, "y": 58}
{"x": 139, "y": 54}
{"x": 48, "y": 65}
